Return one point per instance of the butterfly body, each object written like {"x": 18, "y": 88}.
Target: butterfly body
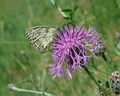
{"x": 41, "y": 36}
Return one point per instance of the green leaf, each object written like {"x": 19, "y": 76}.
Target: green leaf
{"x": 107, "y": 84}
{"x": 67, "y": 18}
{"x": 70, "y": 22}
{"x": 67, "y": 10}
{"x": 76, "y": 7}
{"x": 71, "y": 14}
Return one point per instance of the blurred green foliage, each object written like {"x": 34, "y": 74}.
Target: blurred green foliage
{"x": 16, "y": 16}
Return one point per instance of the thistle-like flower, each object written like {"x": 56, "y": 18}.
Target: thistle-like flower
{"x": 70, "y": 49}
{"x": 115, "y": 82}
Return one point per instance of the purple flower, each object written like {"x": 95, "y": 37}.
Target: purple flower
{"x": 70, "y": 49}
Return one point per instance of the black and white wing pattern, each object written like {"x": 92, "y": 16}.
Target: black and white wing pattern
{"x": 41, "y": 36}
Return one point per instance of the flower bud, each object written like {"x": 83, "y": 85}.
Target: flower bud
{"x": 22, "y": 52}
{"x": 100, "y": 50}
{"x": 115, "y": 82}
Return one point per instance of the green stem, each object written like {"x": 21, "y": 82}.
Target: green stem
{"x": 108, "y": 62}
{"x": 31, "y": 69}
{"x": 59, "y": 9}
{"x": 95, "y": 81}
{"x": 11, "y": 87}
{"x": 104, "y": 57}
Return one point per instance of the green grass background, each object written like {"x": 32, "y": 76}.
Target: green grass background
{"x": 16, "y": 16}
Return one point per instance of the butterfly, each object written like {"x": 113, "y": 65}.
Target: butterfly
{"x": 41, "y": 36}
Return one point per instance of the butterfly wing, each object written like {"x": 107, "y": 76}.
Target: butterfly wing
{"x": 41, "y": 36}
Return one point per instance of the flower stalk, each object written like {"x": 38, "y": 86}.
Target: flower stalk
{"x": 108, "y": 62}
{"x": 31, "y": 69}
{"x": 11, "y": 87}
{"x": 59, "y": 9}
{"x": 95, "y": 81}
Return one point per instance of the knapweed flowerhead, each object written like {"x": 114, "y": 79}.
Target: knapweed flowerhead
{"x": 70, "y": 49}
{"x": 115, "y": 82}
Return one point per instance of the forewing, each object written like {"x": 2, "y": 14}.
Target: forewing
{"x": 41, "y": 36}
